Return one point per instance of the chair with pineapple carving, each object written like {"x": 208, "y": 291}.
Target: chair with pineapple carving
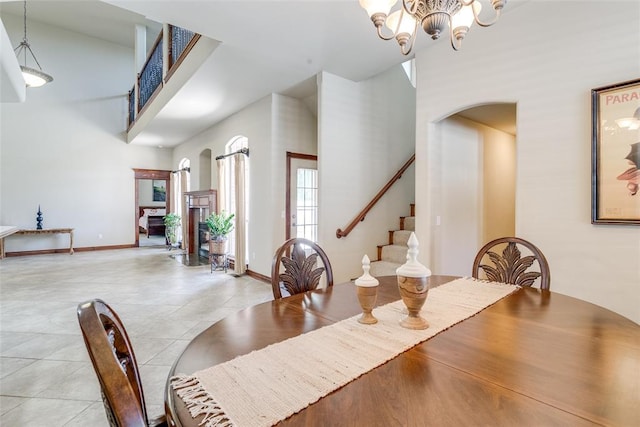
{"x": 509, "y": 266}
{"x": 299, "y": 257}
{"x": 115, "y": 365}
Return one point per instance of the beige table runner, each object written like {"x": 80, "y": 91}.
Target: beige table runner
{"x": 268, "y": 385}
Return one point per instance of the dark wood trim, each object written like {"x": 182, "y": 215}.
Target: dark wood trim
{"x": 153, "y": 49}
{"x": 66, "y": 250}
{"x": 149, "y": 174}
{"x": 363, "y": 213}
{"x": 258, "y": 276}
{"x": 287, "y": 191}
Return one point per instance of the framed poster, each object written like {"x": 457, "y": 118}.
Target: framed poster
{"x": 615, "y": 154}
{"x": 159, "y": 190}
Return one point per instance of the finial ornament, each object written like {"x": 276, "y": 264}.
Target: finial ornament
{"x": 413, "y": 268}
{"x": 366, "y": 280}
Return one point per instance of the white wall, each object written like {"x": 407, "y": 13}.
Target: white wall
{"x": 366, "y": 133}
{"x": 498, "y": 185}
{"x": 63, "y": 148}
{"x": 474, "y": 188}
{"x": 460, "y": 229}
{"x": 549, "y": 71}
{"x": 273, "y": 125}
{"x": 295, "y": 129}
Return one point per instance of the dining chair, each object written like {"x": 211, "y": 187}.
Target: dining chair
{"x": 510, "y": 266}
{"x": 299, "y": 257}
{"x": 115, "y": 365}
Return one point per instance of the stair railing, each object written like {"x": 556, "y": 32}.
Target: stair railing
{"x": 361, "y": 216}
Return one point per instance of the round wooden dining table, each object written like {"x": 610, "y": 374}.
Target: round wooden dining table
{"x": 535, "y": 358}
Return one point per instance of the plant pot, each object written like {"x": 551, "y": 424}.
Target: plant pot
{"x": 218, "y": 246}
{"x": 171, "y": 234}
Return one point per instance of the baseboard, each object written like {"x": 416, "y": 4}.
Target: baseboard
{"x": 66, "y": 250}
{"x": 258, "y": 276}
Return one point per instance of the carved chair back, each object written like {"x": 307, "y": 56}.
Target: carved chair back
{"x": 510, "y": 266}
{"x": 299, "y": 257}
{"x": 114, "y": 363}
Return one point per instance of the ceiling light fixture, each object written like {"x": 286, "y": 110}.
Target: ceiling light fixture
{"x": 32, "y": 77}
{"x": 432, "y": 15}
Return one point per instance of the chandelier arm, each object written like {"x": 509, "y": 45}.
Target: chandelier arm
{"x": 486, "y": 24}
{"x": 410, "y": 9}
{"x": 382, "y": 36}
{"x": 456, "y": 43}
{"x": 411, "y": 41}
{"x": 477, "y": 18}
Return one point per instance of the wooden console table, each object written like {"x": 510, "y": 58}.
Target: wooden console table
{"x": 52, "y": 231}
{"x": 5, "y": 231}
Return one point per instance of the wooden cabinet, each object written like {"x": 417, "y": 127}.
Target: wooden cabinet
{"x": 155, "y": 225}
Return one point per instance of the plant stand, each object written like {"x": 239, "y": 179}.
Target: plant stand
{"x": 218, "y": 262}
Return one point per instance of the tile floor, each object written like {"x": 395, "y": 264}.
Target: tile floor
{"x": 46, "y": 378}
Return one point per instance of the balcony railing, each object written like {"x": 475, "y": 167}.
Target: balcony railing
{"x": 154, "y": 74}
{"x": 180, "y": 39}
{"x": 150, "y": 78}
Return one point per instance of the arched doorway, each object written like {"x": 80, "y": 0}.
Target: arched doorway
{"x": 478, "y": 175}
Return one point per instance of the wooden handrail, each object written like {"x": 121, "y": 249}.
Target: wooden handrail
{"x": 365, "y": 211}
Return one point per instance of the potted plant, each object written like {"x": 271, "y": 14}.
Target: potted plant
{"x": 171, "y": 224}
{"x": 220, "y": 225}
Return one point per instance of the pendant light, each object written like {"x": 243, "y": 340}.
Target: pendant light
{"x": 32, "y": 77}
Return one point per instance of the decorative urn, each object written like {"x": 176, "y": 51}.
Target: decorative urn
{"x": 413, "y": 282}
{"x": 367, "y": 289}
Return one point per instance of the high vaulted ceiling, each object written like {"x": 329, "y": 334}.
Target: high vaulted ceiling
{"x": 266, "y": 46}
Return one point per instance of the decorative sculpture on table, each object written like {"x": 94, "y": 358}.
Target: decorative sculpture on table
{"x": 367, "y": 289}
{"x": 413, "y": 282}
{"x": 39, "y": 219}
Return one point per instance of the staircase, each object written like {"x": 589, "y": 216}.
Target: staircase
{"x": 394, "y": 254}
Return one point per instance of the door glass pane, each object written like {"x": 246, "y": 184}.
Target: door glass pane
{"x": 307, "y": 204}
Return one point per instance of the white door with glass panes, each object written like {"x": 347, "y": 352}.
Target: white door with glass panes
{"x": 304, "y": 198}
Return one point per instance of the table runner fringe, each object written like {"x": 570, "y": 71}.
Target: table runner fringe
{"x": 199, "y": 401}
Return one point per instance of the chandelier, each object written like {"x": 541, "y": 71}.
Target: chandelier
{"x": 32, "y": 77}
{"x": 433, "y": 15}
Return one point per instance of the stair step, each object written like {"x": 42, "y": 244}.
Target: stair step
{"x": 409, "y": 223}
{"x": 401, "y": 237}
{"x": 383, "y": 268}
{"x": 394, "y": 253}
